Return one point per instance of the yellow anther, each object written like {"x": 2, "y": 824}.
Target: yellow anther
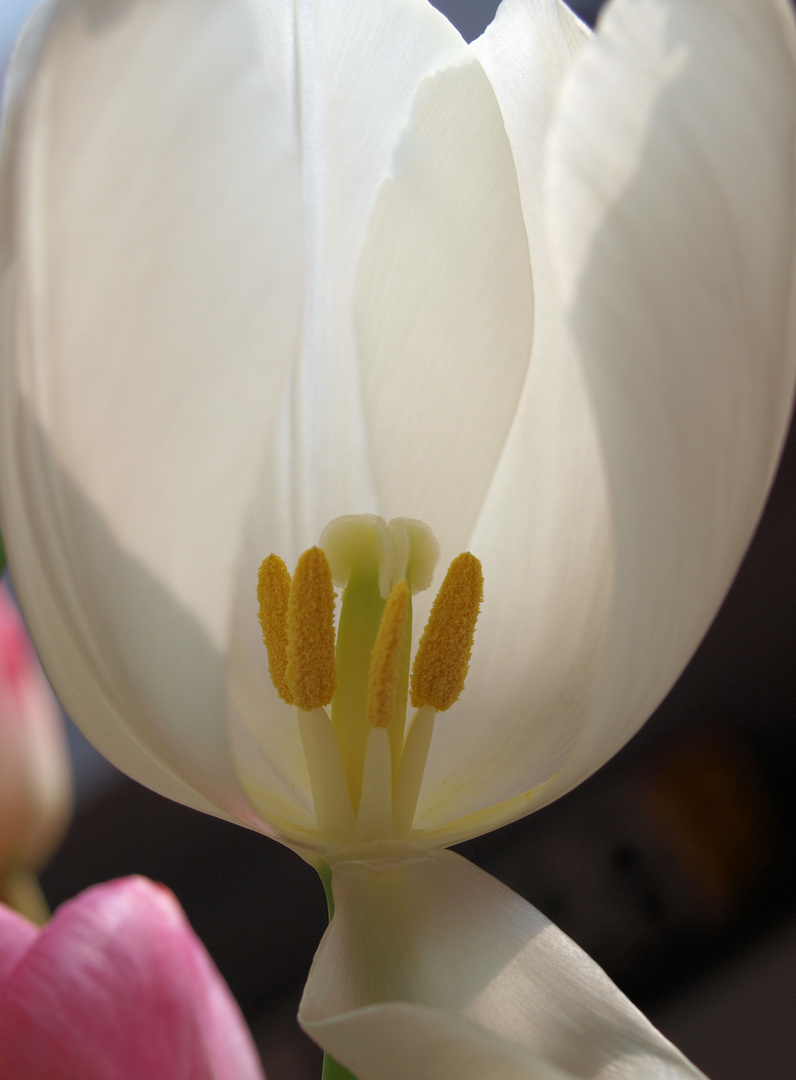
{"x": 443, "y": 654}
{"x": 311, "y": 675}
{"x": 273, "y": 592}
{"x": 385, "y": 660}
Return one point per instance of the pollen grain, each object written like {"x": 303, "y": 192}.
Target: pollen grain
{"x": 273, "y": 592}
{"x": 310, "y": 674}
{"x": 385, "y": 660}
{"x": 443, "y": 655}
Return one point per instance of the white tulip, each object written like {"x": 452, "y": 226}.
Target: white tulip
{"x": 264, "y": 263}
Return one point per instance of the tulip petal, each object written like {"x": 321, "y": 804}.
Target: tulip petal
{"x": 35, "y": 770}
{"x": 543, "y": 535}
{"x": 424, "y": 947}
{"x": 12, "y": 16}
{"x": 651, "y": 434}
{"x": 117, "y": 985}
{"x": 676, "y": 254}
{"x": 151, "y": 263}
{"x": 181, "y": 265}
{"x": 526, "y": 53}
{"x": 16, "y": 937}
{"x": 417, "y": 327}
{"x": 444, "y": 308}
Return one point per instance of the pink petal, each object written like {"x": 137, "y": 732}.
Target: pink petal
{"x": 16, "y": 937}
{"x": 118, "y": 986}
{"x": 16, "y": 653}
{"x": 35, "y": 774}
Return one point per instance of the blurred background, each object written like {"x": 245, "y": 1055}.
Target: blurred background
{"x": 673, "y": 867}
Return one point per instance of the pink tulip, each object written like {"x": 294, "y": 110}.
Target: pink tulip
{"x": 116, "y": 987}
{"x": 35, "y": 775}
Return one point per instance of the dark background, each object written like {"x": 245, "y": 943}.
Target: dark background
{"x": 673, "y": 866}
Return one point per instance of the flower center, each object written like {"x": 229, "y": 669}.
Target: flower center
{"x": 365, "y": 766}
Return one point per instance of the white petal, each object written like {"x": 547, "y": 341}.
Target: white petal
{"x": 444, "y": 307}
{"x": 526, "y": 53}
{"x": 418, "y": 317}
{"x": 192, "y": 183}
{"x": 413, "y": 224}
{"x": 151, "y": 262}
{"x": 419, "y": 298}
{"x": 670, "y": 210}
{"x": 543, "y": 534}
{"x": 677, "y": 257}
{"x": 432, "y": 968}
{"x": 12, "y": 15}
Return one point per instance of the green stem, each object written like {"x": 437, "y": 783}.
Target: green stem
{"x": 332, "y": 1070}
{"x": 325, "y": 874}
{"x": 20, "y": 889}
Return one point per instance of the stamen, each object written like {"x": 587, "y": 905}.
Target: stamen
{"x": 311, "y": 675}
{"x": 366, "y": 771}
{"x": 374, "y": 816}
{"x": 331, "y": 798}
{"x": 410, "y": 772}
{"x": 385, "y": 660}
{"x": 273, "y": 593}
{"x": 443, "y": 655}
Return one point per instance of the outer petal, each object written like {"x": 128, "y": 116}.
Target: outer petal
{"x": 16, "y": 937}
{"x": 118, "y": 986}
{"x": 543, "y": 534}
{"x": 151, "y": 254}
{"x": 652, "y": 424}
{"x": 690, "y": 352}
{"x": 432, "y": 968}
{"x": 191, "y": 368}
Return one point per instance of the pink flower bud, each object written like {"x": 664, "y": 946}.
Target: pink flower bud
{"x": 117, "y": 986}
{"x": 35, "y": 775}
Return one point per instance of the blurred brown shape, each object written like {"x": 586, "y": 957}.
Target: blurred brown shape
{"x": 709, "y": 803}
